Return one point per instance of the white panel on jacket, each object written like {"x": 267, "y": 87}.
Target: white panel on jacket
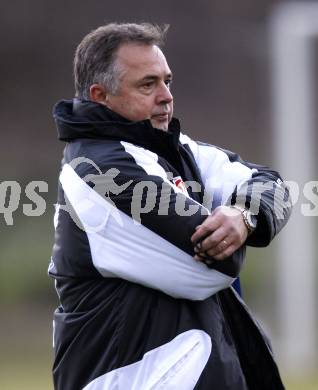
{"x": 130, "y": 251}
{"x": 176, "y": 365}
{"x": 220, "y": 176}
{"x": 148, "y": 161}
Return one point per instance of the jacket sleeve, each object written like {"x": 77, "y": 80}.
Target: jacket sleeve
{"x": 230, "y": 180}
{"x": 139, "y": 224}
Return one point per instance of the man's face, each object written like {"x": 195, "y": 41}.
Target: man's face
{"x": 144, "y": 87}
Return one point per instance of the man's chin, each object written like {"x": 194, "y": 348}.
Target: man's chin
{"x": 161, "y": 125}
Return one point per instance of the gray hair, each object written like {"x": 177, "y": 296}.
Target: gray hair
{"x": 95, "y": 57}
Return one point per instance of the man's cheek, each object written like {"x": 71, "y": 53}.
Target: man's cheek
{"x": 137, "y": 112}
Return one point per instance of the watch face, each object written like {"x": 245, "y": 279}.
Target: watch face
{"x": 251, "y": 219}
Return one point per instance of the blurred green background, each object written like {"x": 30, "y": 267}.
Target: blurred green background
{"x": 220, "y": 56}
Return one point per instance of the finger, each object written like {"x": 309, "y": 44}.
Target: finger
{"x": 204, "y": 259}
{"x": 207, "y": 227}
{"x": 226, "y": 253}
{"x": 219, "y": 248}
{"x": 208, "y": 262}
{"x": 203, "y": 256}
{"x": 218, "y": 219}
{"x": 212, "y": 240}
{"x": 201, "y": 233}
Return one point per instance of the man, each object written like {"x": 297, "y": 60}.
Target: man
{"x": 143, "y": 262}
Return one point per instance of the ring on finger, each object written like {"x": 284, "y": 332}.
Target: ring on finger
{"x": 225, "y": 244}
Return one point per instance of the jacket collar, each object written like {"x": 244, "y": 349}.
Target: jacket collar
{"x": 86, "y": 119}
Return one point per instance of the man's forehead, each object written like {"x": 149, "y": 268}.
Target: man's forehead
{"x": 144, "y": 58}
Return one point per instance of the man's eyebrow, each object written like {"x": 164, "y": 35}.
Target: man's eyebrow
{"x": 155, "y": 77}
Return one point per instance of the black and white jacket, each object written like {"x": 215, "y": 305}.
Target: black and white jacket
{"x": 136, "y": 310}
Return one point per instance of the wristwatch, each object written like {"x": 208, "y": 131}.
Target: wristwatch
{"x": 248, "y": 218}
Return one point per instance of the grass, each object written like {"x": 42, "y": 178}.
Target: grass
{"x": 26, "y": 353}
{"x": 27, "y": 372}
{"x": 28, "y": 367}
{"x": 302, "y": 384}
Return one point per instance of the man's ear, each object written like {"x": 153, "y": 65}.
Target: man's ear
{"x": 98, "y": 94}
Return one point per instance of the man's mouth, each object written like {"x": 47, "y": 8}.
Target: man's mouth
{"x": 161, "y": 117}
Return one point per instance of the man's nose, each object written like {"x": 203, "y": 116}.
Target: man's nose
{"x": 164, "y": 94}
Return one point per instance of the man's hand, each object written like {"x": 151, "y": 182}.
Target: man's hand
{"x": 221, "y": 234}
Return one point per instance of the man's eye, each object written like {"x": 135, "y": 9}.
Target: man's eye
{"x": 147, "y": 85}
{"x": 168, "y": 83}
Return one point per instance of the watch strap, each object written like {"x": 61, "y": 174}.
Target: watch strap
{"x": 247, "y": 216}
